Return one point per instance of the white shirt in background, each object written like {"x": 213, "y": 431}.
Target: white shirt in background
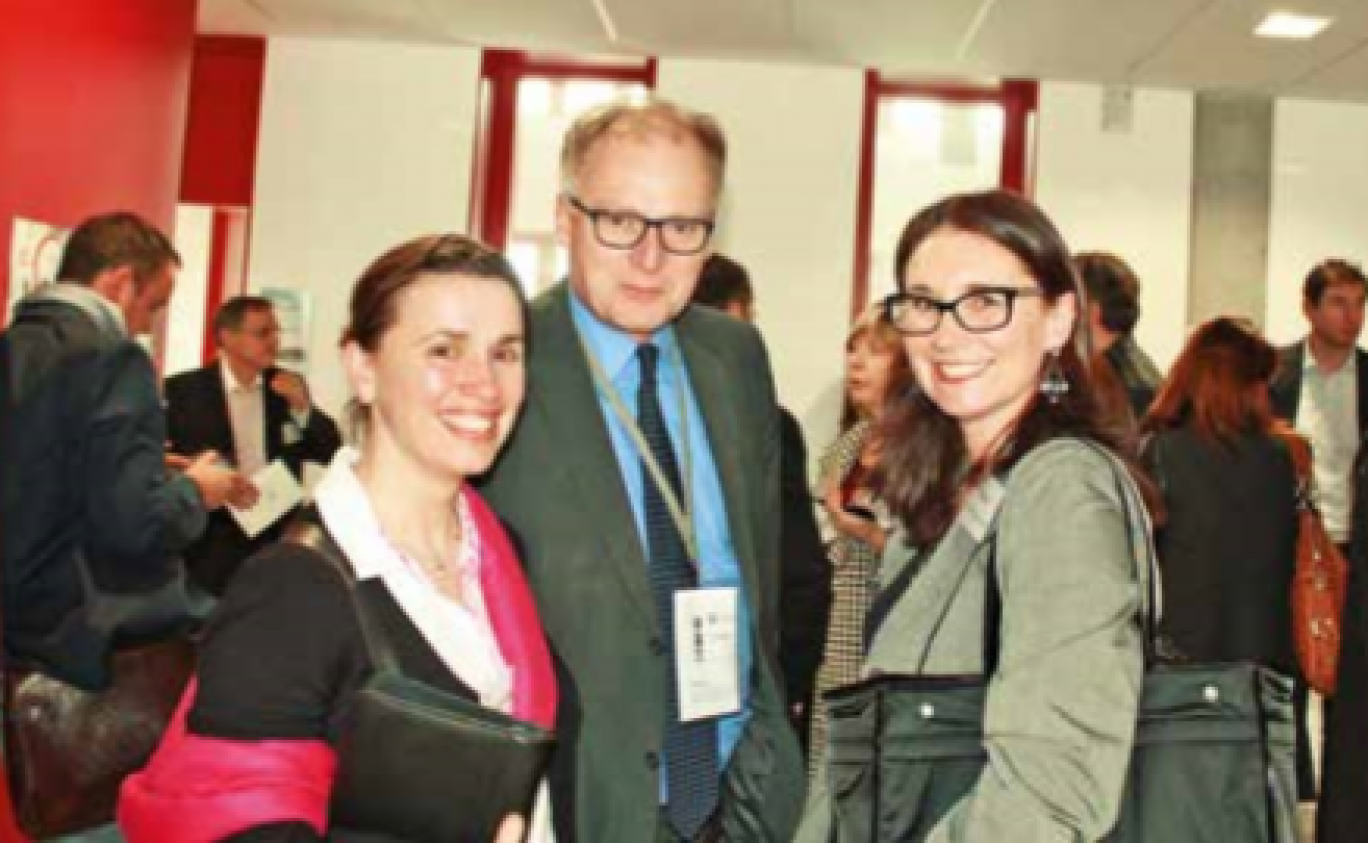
{"x": 1327, "y": 412}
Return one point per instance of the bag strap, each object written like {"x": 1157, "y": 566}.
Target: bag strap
{"x": 308, "y": 530}
{"x": 886, "y": 599}
{"x": 992, "y": 611}
{"x": 1303, "y": 468}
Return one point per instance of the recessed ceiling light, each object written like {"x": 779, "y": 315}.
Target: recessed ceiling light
{"x": 1290, "y": 25}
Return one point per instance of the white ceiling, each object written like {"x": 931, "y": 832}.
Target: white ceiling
{"x": 1198, "y": 44}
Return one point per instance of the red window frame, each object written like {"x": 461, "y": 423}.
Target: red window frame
{"x": 500, "y": 73}
{"x": 1019, "y": 100}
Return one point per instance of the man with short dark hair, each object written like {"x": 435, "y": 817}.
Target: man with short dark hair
{"x": 86, "y": 489}
{"x": 643, "y": 482}
{"x": 804, "y": 568}
{"x": 1322, "y": 384}
{"x": 1113, "y": 310}
{"x": 251, "y": 411}
{"x": 1321, "y": 388}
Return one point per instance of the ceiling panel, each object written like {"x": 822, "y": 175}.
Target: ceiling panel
{"x": 895, "y": 35}
{"x": 1199, "y": 44}
{"x": 232, "y": 17}
{"x": 730, "y": 28}
{"x": 539, "y": 25}
{"x": 1220, "y": 51}
{"x": 1067, "y": 39}
{"x": 1345, "y": 77}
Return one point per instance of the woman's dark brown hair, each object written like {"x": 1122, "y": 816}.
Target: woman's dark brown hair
{"x": 375, "y": 298}
{"x": 923, "y": 466}
{"x": 1219, "y": 384}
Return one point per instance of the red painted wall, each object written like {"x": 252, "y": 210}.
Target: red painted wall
{"x": 92, "y": 118}
{"x": 225, "y": 113}
{"x": 93, "y": 100}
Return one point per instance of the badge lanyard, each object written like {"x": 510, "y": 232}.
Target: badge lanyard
{"x": 679, "y": 510}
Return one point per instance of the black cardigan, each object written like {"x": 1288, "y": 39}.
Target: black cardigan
{"x": 284, "y": 655}
{"x": 1228, "y": 548}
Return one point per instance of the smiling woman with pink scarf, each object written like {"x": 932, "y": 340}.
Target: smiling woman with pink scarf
{"x": 434, "y": 353}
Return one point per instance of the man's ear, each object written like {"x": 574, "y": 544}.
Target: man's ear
{"x": 563, "y": 212}
{"x": 117, "y": 285}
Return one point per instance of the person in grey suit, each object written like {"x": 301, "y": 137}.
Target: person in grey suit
{"x": 1005, "y": 481}
{"x": 643, "y": 484}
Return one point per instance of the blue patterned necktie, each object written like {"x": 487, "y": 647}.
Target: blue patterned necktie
{"x": 690, "y": 748}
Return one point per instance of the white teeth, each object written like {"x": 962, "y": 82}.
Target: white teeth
{"x": 471, "y": 424}
{"x": 960, "y": 370}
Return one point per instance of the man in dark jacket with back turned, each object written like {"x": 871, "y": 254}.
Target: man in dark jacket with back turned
{"x": 82, "y": 465}
{"x": 804, "y": 568}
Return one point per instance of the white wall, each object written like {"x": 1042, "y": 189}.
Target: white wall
{"x": 185, "y": 318}
{"x": 788, "y": 213}
{"x": 1320, "y": 201}
{"x": 1124, "y": 192}
{"x": 361, "y": 146}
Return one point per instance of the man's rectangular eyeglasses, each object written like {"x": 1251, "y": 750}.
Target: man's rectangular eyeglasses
{"x": 978, "y": 311}
{"x": 625, "y": 229}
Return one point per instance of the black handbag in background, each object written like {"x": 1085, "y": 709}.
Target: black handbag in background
{"x": 1212, "y": 758}
{"x": 415, "y": 762}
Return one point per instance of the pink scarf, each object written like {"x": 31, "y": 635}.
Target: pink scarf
{"x": 199, "y": 789}
{"x": 513, "y": 616}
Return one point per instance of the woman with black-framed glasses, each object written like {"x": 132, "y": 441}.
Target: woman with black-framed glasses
{"x": 1011, "y": 492}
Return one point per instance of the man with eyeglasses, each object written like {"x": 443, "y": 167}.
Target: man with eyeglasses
{"x": 643, "y": 482}
{"x": 246, "y": 408}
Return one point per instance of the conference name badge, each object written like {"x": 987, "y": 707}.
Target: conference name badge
{"x": 707, "y": 669}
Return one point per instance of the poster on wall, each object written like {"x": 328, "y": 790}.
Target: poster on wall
{"x": 35, "y": 250}
{"x": 292, "y": 311}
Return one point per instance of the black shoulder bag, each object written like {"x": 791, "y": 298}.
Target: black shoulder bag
{"x": 1212, "y": 757}
{"x": 416, "y": 762}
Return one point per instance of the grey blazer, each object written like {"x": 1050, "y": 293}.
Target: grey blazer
{"x": 1062, "y": 703}
{"x": 559, "y": 487}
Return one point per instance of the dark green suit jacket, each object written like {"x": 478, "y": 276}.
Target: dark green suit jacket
{"x": 559, "y": 487}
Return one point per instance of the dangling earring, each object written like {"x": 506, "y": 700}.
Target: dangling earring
{"x": 1053, "y": 385}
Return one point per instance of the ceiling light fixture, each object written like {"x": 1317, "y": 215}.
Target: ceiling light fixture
{"x": 1291, "y": 25}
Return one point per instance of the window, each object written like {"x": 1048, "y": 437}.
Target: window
{"x": 527, "y": 103}
{"x": 923, "y": 142}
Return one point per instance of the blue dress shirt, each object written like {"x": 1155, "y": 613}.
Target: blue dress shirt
{"x": 718, "y": 565}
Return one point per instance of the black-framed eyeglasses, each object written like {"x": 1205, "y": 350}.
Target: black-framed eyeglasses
{"x": 625, "y": 229}
{"x": 978, "y": 311}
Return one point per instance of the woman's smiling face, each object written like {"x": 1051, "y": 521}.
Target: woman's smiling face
{"x": 983, "y": 380}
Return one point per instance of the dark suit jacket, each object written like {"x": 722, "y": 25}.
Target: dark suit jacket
{"x": 559, "y": 487}
{"x": 1285, "y": 390}
{"x": 1344, "y": 778}
{"x": 804, "y": 569}
{"x": 84, "y": 490}
{"x": 1345, "y": 774}
{"x": 197, "y": 420}
{"x": 1228, "y": 548}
